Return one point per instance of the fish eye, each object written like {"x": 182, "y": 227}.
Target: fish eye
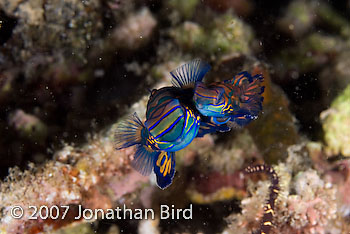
{"x": 153, "y": 91}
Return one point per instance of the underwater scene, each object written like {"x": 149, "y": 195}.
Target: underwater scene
{"x": 174, "y": 116}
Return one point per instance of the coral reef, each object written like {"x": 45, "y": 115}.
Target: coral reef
{"x": 299, "y": 18}
{"x": 71, "y": 70}
{"x": 51, "y": 27}
{"x": 227, "y": 34}
{"x": 75, "y": 178}
{"x": 307, "y": 202}
{"x": 134, "y": 32}
{"x": 54, "y": 63}
{"x": 233, "y": 153}
{"x": 336, "y": 124}
{"x": 29, "y": 126}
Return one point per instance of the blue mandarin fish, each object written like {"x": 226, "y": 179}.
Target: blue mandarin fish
{"x": 237, "y": 100}
{"x": 171, "y": 124}
{"x": 234, "y": 102}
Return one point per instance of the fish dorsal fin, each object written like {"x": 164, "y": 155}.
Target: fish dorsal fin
{"x": 189, "y": 73}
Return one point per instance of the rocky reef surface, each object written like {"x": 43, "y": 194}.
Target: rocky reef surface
{"x": 70, "y": 71}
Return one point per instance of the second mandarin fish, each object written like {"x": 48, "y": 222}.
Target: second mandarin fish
{"x": 233, "y": 102}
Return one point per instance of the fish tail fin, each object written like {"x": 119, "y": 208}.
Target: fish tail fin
{"x": 250, "y": 95}
{"x": 253, "y": 88}
{"x": 128, "y": 132}
{"x": 208, "y": 126}
{"x": 164, "y": 168}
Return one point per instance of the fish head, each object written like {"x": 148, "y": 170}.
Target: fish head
{"x": 209, "y": 100}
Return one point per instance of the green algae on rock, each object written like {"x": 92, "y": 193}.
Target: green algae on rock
{"x": 311, "y": 53}
{"x": 336, "y": 124}
{"x": 331, "y": 18}
{"x": 189, "y": 36}
{"x": 298, "y": 19}
{"x": 230, "y": 34}
{"x": 226, "y": 34}
{"x": 302, "y": 15}
{"x": 185, "y": 8}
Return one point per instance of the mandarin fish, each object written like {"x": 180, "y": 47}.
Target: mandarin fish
{"x": 182, "y": 78}
{"x": 171, "y": 124}
{"x": 238, "y": 100}
{"x": 234, "y": 102}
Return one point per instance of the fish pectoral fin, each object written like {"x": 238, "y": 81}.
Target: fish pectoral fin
{"x": 144, "y": 159}
{"x": 128, "y": 132}
{"x": 207, "y": 127}
{"x": 189, "y": 73}
{"x": 164, "y": 168}
{"x": 248, "y": 103}
{"x": 242, "y": 119}
{"x": 220, "y": 120}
